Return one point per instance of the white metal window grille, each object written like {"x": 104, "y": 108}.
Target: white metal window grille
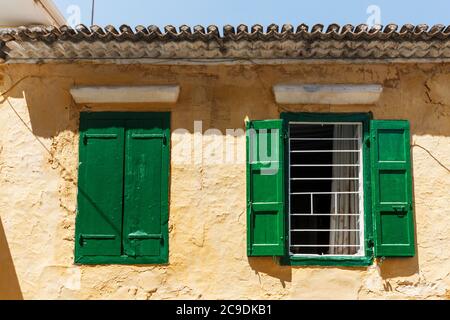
{"x": 326, "y": 212}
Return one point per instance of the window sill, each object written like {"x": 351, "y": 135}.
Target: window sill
{"x": 121, "y": 260}
{"x": 326, "y": 261}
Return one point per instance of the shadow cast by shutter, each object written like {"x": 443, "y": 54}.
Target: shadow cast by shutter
{"x": 403, "y": 267}
{"x": 267, "y": 265}
{"x": 9, "y": 283}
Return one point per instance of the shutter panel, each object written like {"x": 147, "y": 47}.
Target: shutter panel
{"x": 100, "y": 188}
{"x": 392, "y": 188}
{"x": 265, "y": 188}
{"x": 146, "y": 194}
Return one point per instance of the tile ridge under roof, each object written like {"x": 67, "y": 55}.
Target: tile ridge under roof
{"x": 334, "y": 42}
{"x": 241, "y": 32}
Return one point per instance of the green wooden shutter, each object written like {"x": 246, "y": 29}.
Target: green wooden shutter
{"x": 146, "y": 191}
{"x": 392, "y": 188}
{"x": 100, "y": 188}
{"x": 265, "y": 188}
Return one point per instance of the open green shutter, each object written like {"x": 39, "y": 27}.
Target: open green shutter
{"x": 146, "y": 191}
{"x": 265, "y": 188}
{"x": 392, "y": 188}
{"x": 99, "y": 218}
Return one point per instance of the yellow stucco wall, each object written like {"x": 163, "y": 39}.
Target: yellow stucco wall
{"x": 38, "y": 176}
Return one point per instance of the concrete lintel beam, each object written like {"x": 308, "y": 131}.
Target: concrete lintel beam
{"x": 126, "y": 94}
{"x": 339, "y": 94}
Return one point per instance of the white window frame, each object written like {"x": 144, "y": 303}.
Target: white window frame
{"x": 362, "y": 247}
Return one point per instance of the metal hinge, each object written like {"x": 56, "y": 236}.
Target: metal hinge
{"x": 139, "y": 235}
{"x": 87, "y": 136}
{"x": 162, "y": 136}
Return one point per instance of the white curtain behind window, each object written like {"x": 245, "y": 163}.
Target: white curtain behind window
{"x": 346, "y": 203}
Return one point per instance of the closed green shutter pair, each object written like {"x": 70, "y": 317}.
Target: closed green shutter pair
{"x": 392, "y": 206}
{"x": 123, "y": 188}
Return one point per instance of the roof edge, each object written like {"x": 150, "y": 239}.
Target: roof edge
{"x": 257, "y": 31}
{"x": 219, "y": 61}
{"x": 53, "y": 12}
{"x": 49, "y": 43}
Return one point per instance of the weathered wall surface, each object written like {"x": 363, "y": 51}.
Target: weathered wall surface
{"x": 38, "y": 176}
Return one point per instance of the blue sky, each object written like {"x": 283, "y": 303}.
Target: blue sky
{"x": 205, "y": 12}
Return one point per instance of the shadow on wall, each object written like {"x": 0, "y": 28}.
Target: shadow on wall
{"x": 402, "y": 267}
{"x": 267, "y": 265}
{"x": 9, "y": 284}
{"x": 399, "y": 267}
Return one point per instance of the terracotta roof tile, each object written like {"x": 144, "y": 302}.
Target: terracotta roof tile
{"x": 243, "y": 42}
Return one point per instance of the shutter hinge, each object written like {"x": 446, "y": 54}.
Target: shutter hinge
{"x": 371, "y": 243}
{"x": 367, "y": 141}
